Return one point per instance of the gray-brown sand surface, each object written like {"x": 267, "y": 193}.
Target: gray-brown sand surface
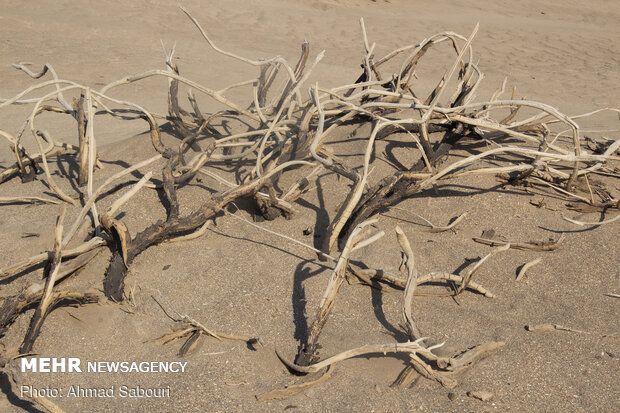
{"x": 238, "y": 280}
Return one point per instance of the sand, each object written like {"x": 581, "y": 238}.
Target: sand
{"x": 239, "y": 280}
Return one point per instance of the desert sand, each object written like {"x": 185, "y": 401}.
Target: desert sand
{"x": 237, "y": 279}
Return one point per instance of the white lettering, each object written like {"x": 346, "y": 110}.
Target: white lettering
{"x": 74, "y": 365}
{"x": 47, "y": 391}
{"x": 44, "y": 364}
{"x": 51, "y": 365}
{"x": 113, "y": 366}
{"x": 29, "y": 365}
{"x": 139, "y": 392}
{"x": 101, "y": 367}
{"x": 90, "y": 392}
{"x": 58, "y": 364}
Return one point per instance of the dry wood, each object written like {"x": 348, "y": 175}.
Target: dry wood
{"x": 99, "y": 191}
{"x": 196, "y": 234}
{"x": 192, "y": 328}
{"x": 12, "y": 307}
{"x": 93, "y": 243}
{"x": 553, "y": 327}
{"x": 468, "y": 357}
{"x": 526, "y": 267}
{"x": 46, "y": 68}
{"x": 284, "y": 132}
{"x": 414, "y": 348}
{"x": 470, "y": 273}
{"x": 582, "y": 223}
{"x": 52, "y": 273}
{"x": 412, "y": 276}
{"x": 408, "y": 347}
{"x": 281, "y": 394}
{"x": 359, "y": 238}
{"x": 407, "y": 376}
{"x": 437, "y": 228}
{"x": 427, "y": 371}
{"x": 443, "y": 276}
{"x": 186, "y": 325}
{"x": 175, "y": 226}
{"x": 92, "y": 153}
{"x": 28, "y": 170}
{"x": 8, "y": 369}
{"x": 527, "y": 246}
{"x": 408, "y": 260}
{"x": 485, "y": 396}
{"x": 42, "y": 134}
{"x": 281, "y": 235}
{"x": 377, "y": 278}
{"x": 600, "y": 207}
{"x": 27, "y": 200}
{"x": 550, "y": 327}
{"x": 83, "y": 154}
{"x": 68, "y": 268}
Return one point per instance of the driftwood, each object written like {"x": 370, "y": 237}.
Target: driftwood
{"x": 359, "y": 239}
{"x": 284, "y": 132}
{"x": 423, "y": 361}
{"x": 12, "y": 307}
{"x": 439, "y": 368}
{"x": 187, "y": 326}
{"x": 280, "y": 394}
{"x": 550, "y": 245}
{"x": 51, "y": 275}
{"x": 526, "y": 267}
{"x": 412, "y": 277}
{"x": 31, "y": 401}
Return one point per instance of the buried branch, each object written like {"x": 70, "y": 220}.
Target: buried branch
{"x": 189, "y": 327}
{"x": 422, "y": 359}
{"x": 277, "y": 133}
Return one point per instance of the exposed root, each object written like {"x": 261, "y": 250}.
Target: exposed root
{"x": 279, "y": 132}
{"x": 187, "y": 326}
{"x": 280, "y": 394}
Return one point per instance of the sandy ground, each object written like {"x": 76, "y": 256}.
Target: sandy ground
{"x": 238, "y": 280}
